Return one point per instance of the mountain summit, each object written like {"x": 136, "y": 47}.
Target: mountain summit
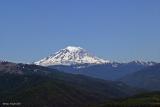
{"x": 69, "y": 56}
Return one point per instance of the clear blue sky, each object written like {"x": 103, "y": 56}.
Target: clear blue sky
{"x": 120, "y": 30}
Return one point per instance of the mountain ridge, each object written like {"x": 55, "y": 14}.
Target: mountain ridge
{"x": 147, "y": 78}
{"x": 72, "y": 55}
{"x": 69, "y": 56}
{"x": 77, "y": 60}
{"x": 41, "y": 86}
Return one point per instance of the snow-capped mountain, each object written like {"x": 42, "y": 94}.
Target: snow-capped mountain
{"x": 77, "y": 60}
{"x": 69, "y": 56}
{"x": 148, "y": 63}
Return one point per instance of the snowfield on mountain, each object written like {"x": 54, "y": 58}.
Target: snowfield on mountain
{"x": 69, "y": 56}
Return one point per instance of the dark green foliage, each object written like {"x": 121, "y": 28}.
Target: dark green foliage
{"x": 141, "y": 100}
{"x": 40, "y": 86}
